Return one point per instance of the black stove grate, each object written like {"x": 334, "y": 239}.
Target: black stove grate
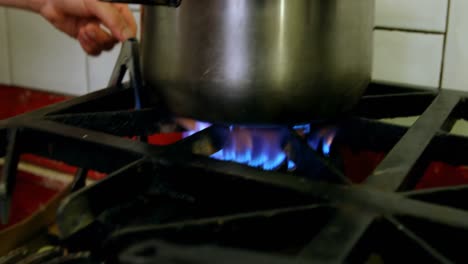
{"x": 179, "y": 195}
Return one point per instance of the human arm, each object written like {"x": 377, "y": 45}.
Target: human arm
{"x": 82, "y": 20}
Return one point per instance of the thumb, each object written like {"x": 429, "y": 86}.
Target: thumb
{"x": 109, "y": 15}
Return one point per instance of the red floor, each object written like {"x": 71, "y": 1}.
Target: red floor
{"x": 14, "y": 100}
{"x": 31, "y": 191}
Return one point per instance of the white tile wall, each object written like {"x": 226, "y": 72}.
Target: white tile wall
{"x": 100, "y": 68}
{"x": 456, "y": 63}
{"x": 42, "y": 57}
{"x": 134, "y": 7}
{"x": 4, "y": 59}
{"x": 407, "y": 58}
{"x": 427, "y": 15}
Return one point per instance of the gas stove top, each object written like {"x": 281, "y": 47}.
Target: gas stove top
{"x": 208, "y": 199}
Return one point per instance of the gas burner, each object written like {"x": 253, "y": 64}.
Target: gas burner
{"x": 208, "y": 198}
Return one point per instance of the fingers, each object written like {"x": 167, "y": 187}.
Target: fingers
{"x": 100, "y": 37}
{"x": 110, "y": 16}
{"x": 94, "y": 40}
{"x": 87, "y": 46}
{"x": 128, "y": 16}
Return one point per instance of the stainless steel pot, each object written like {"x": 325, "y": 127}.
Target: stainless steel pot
{"x": 258, "y": 61}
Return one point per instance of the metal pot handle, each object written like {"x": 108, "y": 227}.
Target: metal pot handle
{"x": 170, "y": 3}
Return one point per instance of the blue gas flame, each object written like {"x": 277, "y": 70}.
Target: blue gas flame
{"x": 326, "y": 149}
{"x": 260, "y": 148}
{"x": 259, "y": 161}
{"x": 304, "y": 128}
{"x": 322, "y": 140}
{"x": 195, "y": 127}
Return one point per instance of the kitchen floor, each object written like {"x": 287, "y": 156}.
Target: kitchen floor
{"x": 17, "y": 100}
{"x": 37, "y": 181}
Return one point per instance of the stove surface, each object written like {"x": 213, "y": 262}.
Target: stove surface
{"x": 354, "y": 190}
{"x": 351, "y": 190}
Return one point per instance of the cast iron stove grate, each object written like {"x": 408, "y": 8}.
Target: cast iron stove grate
{"x": 176, "y": 204}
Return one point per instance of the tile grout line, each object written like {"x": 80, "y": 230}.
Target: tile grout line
{"x": 444, "y": 45}
{"x": 8, "y": 46}
{"x": 408, "y": 30}
{"x": 88, "y": 79}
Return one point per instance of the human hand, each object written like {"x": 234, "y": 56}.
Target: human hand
{"x": 83, "y": 20}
